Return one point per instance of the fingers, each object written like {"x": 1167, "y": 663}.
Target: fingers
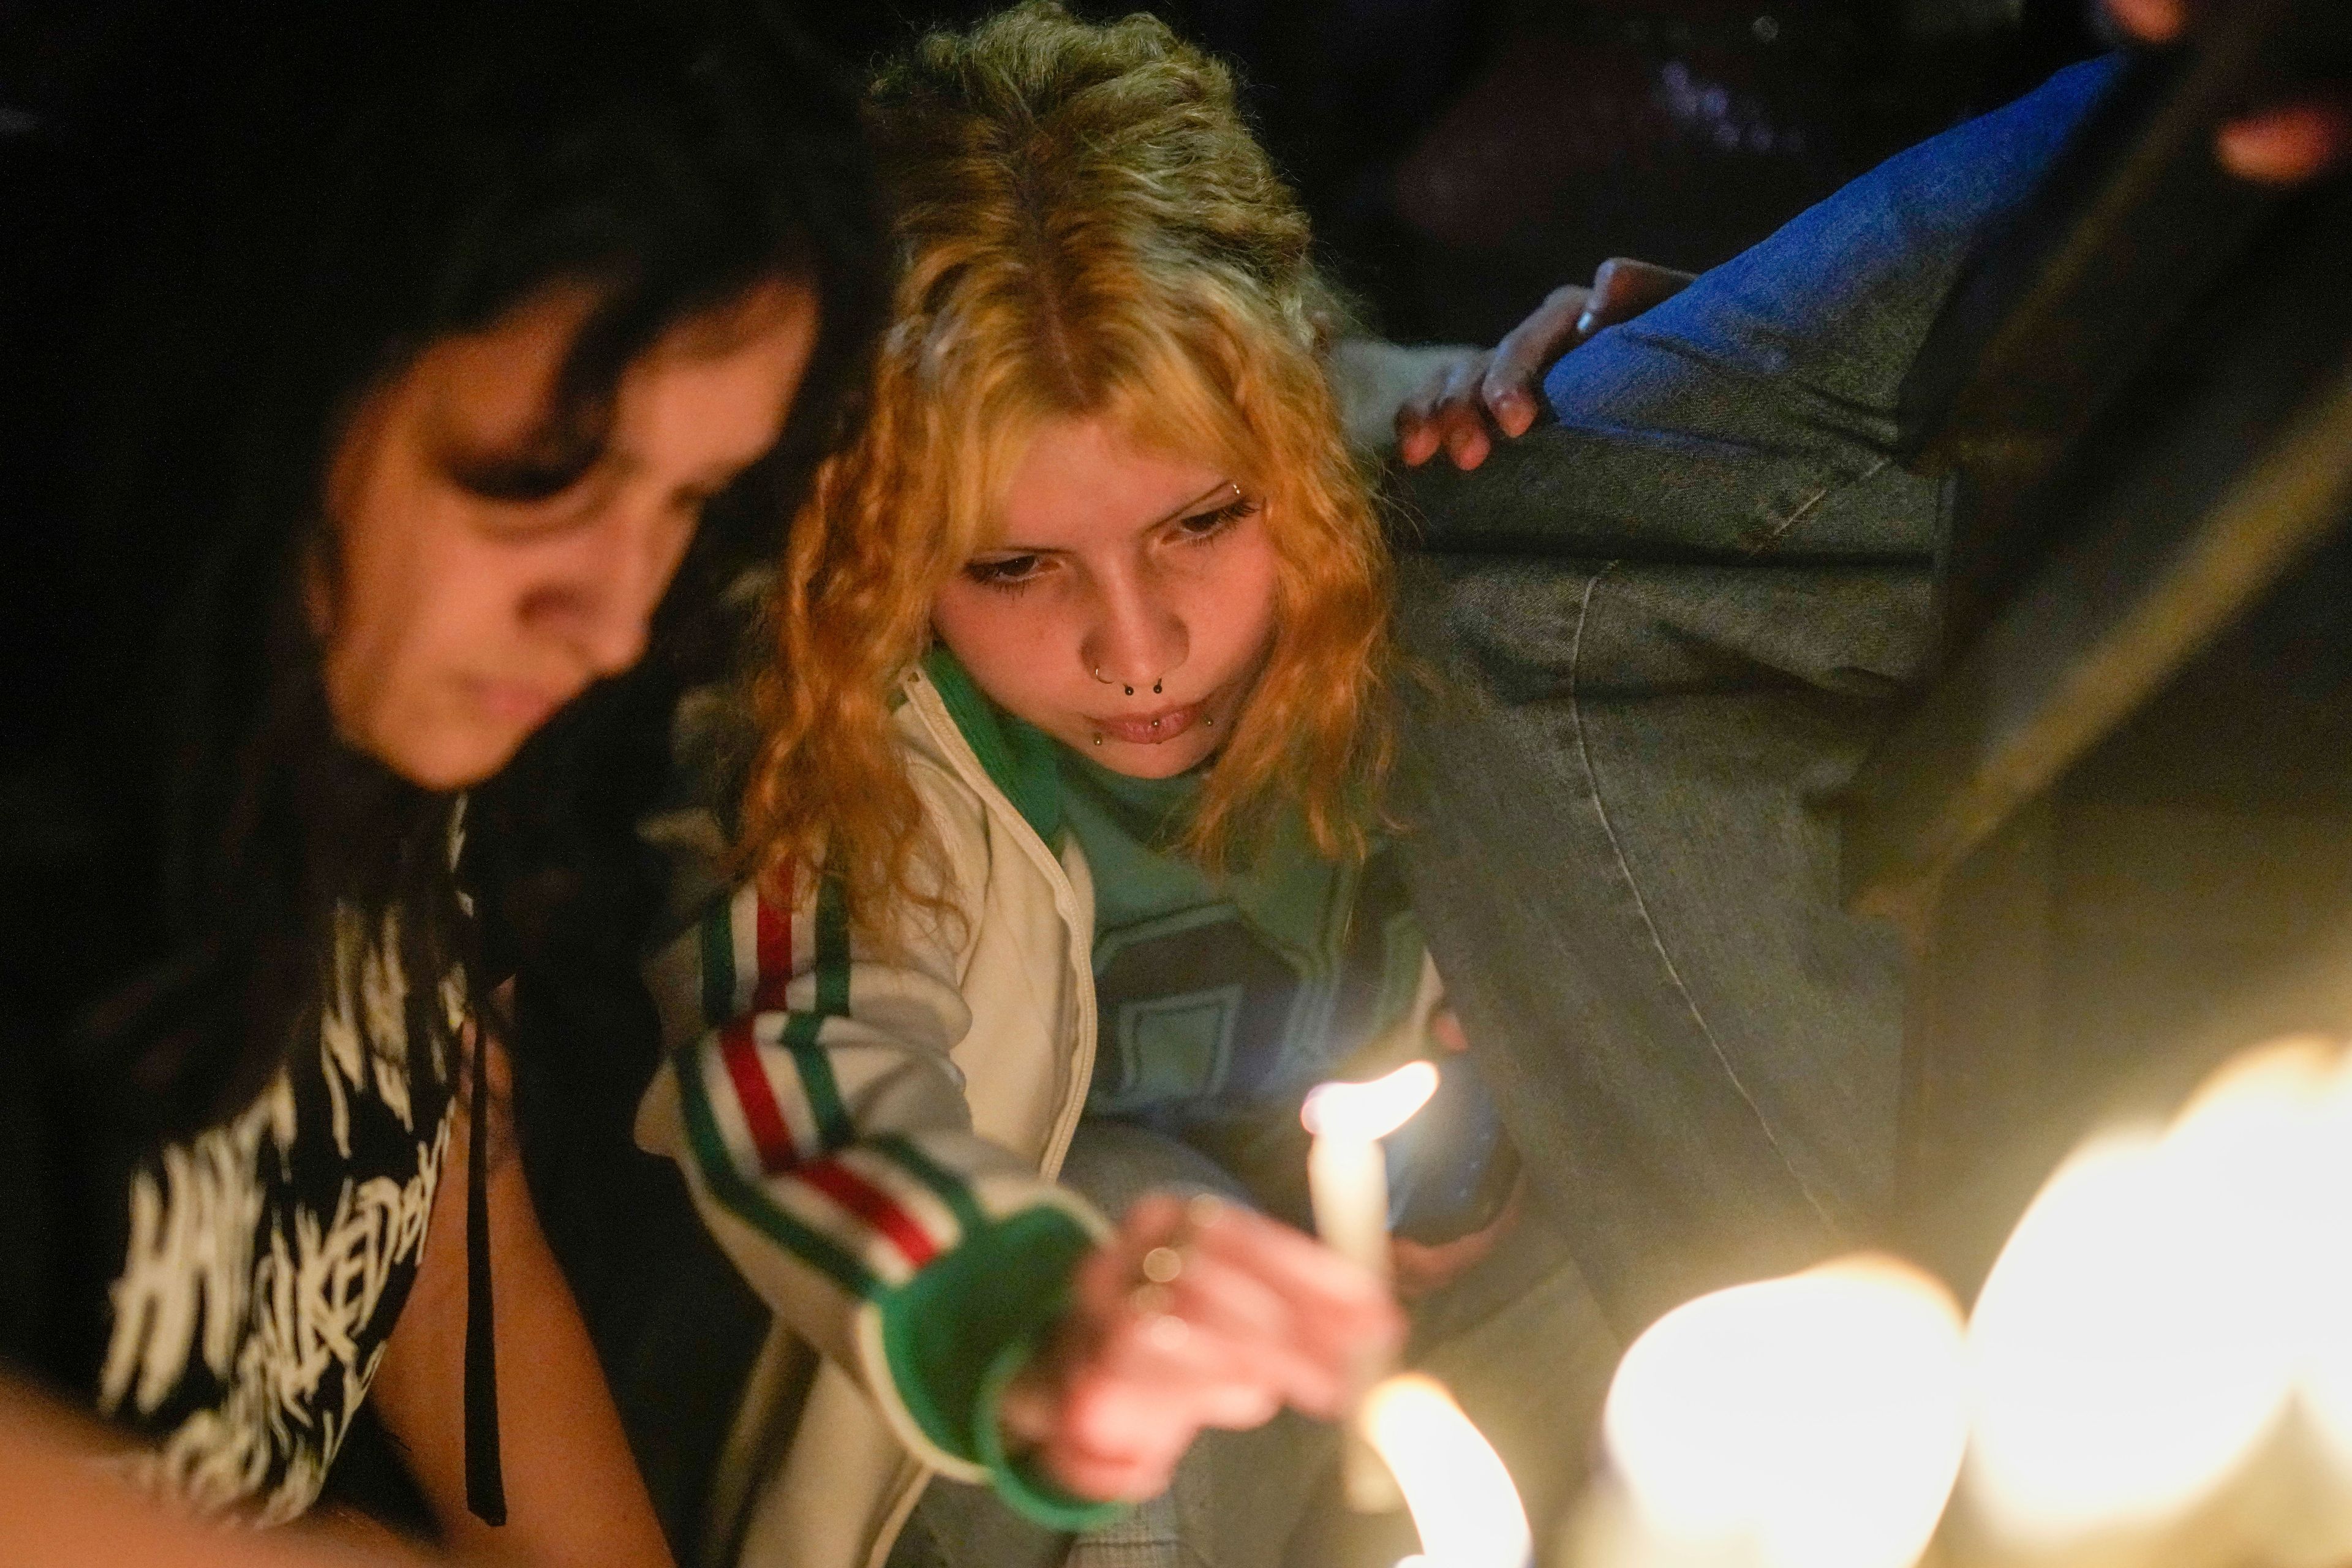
{"x": 1172, "y": 1369}
{"x": 2152, "y": 21}
{"x": 1245, "y": 1334}
{"x": 1246, "y": 1275}
{"x": 1442, "y": 413}
{"x": 2283, "y": 144}
{"x": 1331, "y": 1297}
{"x": 1416, "y": 422}
{"x": 1424, "y": 1269}
{"x": 1135, "y": 1461}
{"x": 1622, "y": 288}
{"x": 1464, "y": 427}
{"x": 1527, "y": 351}
{"x": 2287, "y": 145}
{"x": 1450, "y": 411}
{"x": 1195, "y": 1314}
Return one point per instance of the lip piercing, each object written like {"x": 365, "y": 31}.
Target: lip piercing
{"x": 1098, "y": 739}
{"x": 1155, "y": 723}
{"x": 1129, "y": 690}
{"x": 1155, "y": 688}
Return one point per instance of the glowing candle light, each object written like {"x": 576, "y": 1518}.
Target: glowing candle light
{"x": 2141, "y": 1333}
{"x": 1345, "y": 1173}
{"x": 1347, "y": 1177}
{"x": 1461, "y": 1497}
{"x": 2326, "y": 1373}
{"x": 1815, "y": 1421}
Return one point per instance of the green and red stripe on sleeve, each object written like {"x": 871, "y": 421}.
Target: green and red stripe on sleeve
{"x": 766, "y": 1115}
{"x": 747, "y": 950}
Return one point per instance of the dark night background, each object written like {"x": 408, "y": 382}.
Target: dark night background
{"x": 1460, "y": 156}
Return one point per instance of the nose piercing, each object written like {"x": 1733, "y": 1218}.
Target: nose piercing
{"x": 1096, "y": 671}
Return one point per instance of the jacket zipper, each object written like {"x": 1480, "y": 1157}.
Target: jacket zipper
{"x": 960, "y": 754}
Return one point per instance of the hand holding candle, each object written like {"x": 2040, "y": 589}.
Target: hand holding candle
{"x": 1347, "y": 1176}
{"x": 1196, "y": 1314}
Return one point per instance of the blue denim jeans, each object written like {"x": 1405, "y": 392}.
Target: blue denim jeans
{"x": 1666, "y": 625}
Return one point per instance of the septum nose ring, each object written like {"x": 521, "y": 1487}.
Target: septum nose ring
{"x": 1122, "y": 685}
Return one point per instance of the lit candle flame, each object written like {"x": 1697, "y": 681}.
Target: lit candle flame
{"x": 1461, "y": 1497}
{"x": 2143, "y": 1330}
{"x": 1815, "y": 1421}
{"x": 1368, "y": 1111}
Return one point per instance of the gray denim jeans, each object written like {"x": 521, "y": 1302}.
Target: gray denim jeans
{"x": 1665, "y": 628}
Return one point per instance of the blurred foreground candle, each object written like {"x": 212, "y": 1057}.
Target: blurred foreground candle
{"x": 1347, "y": 1176}
{"x": 2320, "y": 1532}
{"x": 2157, "y": 1371}
{"x": 2142, "y": 1332}
{"x": 1815, "y": 1421}
{"x": 1462, "y": 1498}
{"x": 2326, "y": 1373}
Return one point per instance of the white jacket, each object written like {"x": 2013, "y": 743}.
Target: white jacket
{"x": 836, "y": 1092}
{"x": 871, "y": 1137}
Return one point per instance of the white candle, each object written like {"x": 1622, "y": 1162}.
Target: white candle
{"x": 1345, "y": 1173}
{"x": 1349, "y": 1180}
{"x": 1347, "y": 1177}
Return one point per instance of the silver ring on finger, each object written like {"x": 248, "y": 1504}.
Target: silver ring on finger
{"x": 1153, "y": 1303}
{"x": 1201, "y": 1210}
{"x": 1167, "y": 1331}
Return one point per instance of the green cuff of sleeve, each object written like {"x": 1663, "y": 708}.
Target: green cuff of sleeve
{"x": 1023, "y": 1488}
{"x": 957, "y": 1333}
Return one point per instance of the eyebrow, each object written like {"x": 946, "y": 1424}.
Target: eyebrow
{"x": 1009, "y": 548}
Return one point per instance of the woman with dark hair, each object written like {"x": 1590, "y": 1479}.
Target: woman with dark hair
{"x": 398, "y": 352}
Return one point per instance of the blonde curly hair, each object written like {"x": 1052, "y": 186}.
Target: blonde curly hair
{"x": 1086, "y": 228}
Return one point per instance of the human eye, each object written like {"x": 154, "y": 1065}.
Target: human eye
{"x": 1200, "y": 527}
{"x": 531, "y": 473}
{"x": 1006, "y": 573}
{"x": 523, "y": 497}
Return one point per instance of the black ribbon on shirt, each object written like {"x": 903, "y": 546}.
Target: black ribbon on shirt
{"x": 486, "y": 1487}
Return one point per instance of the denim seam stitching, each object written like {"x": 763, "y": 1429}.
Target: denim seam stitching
{"x": 1809, "y": 505}
{"x": 1642, "y": 905}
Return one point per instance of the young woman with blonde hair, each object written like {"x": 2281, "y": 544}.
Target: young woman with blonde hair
{"x": 1059, "y": 845}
